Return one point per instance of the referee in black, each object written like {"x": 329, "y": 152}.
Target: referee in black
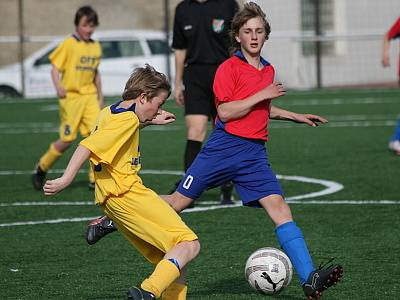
{"x": 201, "y": 42}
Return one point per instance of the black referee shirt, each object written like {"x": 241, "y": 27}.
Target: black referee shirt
{"x": 202, "y": 28}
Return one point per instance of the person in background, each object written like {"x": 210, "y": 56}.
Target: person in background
{"x": 201, "y": 42}
{"x": 393, "y": 33}
{"x": 77, "y": 81}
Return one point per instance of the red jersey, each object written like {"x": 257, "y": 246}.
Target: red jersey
{"x": 393, "y": 33}
{"x": 236, "y": 80}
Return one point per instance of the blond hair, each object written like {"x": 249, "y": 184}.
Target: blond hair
{"x": 145, "y": 80}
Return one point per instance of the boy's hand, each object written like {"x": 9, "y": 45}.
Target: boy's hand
{"x": 52, "y": 187}
{"x": 312, "y": 120}
{"x": 61, "y": 92}
{"x": 274, "y": 90}
{"x": 163, "y": 117}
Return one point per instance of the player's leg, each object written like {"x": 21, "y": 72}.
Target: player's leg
{"x": 178, "y": 289}
{"x": 142, "y": 215}
{"x": 70, "y": 111}
{"x": 46, "y": 161}
{"x": 292, "y": 241}
{"x": 196, "y": 126}
{"x": 102, "y": 226}
{"x": 394, "y": 143}
{"x": 177, "y": 201}
{"x": 168, "y": 277}
{"x": 255, "y": 179}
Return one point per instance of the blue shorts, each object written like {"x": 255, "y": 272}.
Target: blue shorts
{"x": 226, "y": 157}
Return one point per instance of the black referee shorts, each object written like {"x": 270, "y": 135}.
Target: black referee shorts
{"x": 199, "y": 97}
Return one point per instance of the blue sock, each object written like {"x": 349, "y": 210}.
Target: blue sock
{"x": 292, "y": 242}
{"x": 396, "y": 135}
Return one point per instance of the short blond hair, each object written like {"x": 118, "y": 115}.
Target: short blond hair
{"x": 145, "y": 80}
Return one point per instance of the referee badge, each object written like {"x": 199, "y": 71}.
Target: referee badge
{"x": 218, "y": 25}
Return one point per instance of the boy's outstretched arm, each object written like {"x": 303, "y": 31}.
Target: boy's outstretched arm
{"x": 80, "y": 155}
{"x": 236, "y": 109}
{"x": 163, "y": 117}
{"x": 282, "y": 114}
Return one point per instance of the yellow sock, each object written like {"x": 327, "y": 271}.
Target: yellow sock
{"x": 164, "y": 274}
{"x": 49, "y": 158}
{"x": 91, "y": 173}
{"x": 176, "y": 291}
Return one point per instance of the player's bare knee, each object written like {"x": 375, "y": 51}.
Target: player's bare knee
{"x": 178, "y": 202}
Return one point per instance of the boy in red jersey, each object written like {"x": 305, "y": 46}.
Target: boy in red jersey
{"x": 244, "y": 88}
{"x": 393, "y": 33}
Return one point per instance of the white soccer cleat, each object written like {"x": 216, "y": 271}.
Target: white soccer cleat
{"x": 395, "y": 146}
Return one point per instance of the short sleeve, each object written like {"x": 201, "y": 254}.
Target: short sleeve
{"x": 394, "y": 31}
{"x": 105, "y": 143}
{"x": 100, "y": 53}
{"x": 178, "y": 38}
{"x": 59, "y": 56}
{"x": 224, "y": 83}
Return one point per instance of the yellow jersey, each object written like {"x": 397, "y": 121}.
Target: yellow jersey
{"x": 115, "y": 155}
{"x": 78, "y": 61}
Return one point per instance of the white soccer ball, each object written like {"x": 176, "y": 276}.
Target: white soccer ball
{"x": 268, "y": 270}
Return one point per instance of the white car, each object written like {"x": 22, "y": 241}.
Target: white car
{"x": 123, "y": 50}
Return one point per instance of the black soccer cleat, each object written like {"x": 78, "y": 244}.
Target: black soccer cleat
{"x": 321, "y": 279}
{"x": 98, "y": 228}
{"x": 38, "y": 178}
{"x": 136, "y": 293}
{"x": 226, "y": 193}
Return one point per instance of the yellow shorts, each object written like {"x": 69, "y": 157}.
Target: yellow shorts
{"x": 147, "y": 222}
{"x": 77, "y": 113}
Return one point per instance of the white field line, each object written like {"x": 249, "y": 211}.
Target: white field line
{"x": 214, "y": 207}
{"x": 330, "y": 187}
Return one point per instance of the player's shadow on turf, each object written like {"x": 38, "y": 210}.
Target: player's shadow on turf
{"x": 235, "y": 286}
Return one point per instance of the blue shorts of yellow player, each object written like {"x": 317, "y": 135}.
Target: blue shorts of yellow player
{"x": 226, "y": 157}
{"x": 77, "y": 113}
{"x": 147, "y": 222}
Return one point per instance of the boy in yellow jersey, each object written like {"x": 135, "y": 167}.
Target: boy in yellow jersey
{"x": 142, "y": 217}
{"x": 74, "y": 73}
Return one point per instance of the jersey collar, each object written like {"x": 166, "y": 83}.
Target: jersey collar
{"x": 240, "y": 55}
{"x": 78, "y": 39}
{"x": 116, "y": 110}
